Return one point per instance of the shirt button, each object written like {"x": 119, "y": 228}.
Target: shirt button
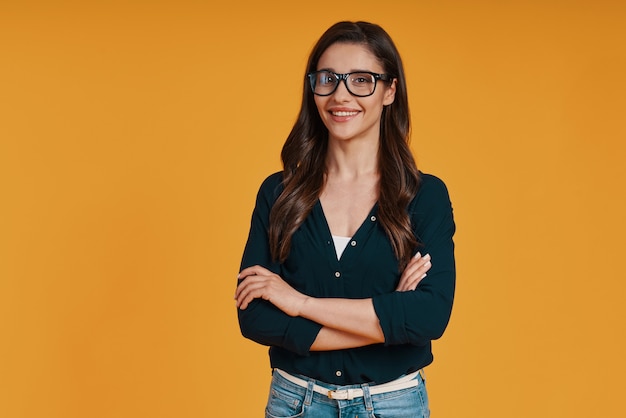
{"x": 338, "y": 373}
{"x": 337, "y": 274}
{"x": 353, "y": 243}
{"x": 373, "y": 218}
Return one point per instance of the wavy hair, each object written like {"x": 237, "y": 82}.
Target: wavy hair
{"x": 304, "y": 152}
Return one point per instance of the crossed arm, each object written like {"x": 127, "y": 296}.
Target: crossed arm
{"x": 346, "y": 323}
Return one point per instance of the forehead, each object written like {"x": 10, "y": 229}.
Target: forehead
{"x": 346, "y": 57}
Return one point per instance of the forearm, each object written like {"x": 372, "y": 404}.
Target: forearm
{"x": 355, "y": 317}
{"x": 265, "y": 324}
{"x": 332, "y": 339}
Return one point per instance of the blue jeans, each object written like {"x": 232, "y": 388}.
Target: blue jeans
{"x": 288, "y": 400}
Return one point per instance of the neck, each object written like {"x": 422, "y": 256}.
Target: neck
{"x": 352, "y": 158}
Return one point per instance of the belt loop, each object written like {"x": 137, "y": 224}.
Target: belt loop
{"x": 308, "y": 397}
{"x": 367, "y": 398}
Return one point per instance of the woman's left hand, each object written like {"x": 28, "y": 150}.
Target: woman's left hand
{"x": 259, "y": 282}
{"x": 414, "y": 272}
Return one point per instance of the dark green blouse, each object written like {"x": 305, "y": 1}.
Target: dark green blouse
{"x": 367, "y": 268}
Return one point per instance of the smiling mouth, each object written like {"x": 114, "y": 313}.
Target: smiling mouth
{"x": 344, "y": 113}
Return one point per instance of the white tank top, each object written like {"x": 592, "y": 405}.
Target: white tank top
{"x": 340, "y": 244}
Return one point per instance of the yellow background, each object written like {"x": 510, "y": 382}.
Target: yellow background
{"x": 133, "y": 138}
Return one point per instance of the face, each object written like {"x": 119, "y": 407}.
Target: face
{"x": 349, "y": 117}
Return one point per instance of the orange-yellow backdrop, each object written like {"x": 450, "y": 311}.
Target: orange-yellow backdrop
{"x": 134, "y": 135}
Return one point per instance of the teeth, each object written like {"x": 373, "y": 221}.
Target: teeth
{"x": 344, "y": 113}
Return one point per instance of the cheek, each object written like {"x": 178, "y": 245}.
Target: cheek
{"x": 320, "y": 103}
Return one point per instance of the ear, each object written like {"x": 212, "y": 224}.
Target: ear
{"x": 390, "y": 93}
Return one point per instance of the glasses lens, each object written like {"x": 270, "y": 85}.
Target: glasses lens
{"x": 361, "y": 84}
{"x": 323, "y": 82}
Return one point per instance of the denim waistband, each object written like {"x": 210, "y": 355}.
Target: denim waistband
{"x": 353, "y": 391}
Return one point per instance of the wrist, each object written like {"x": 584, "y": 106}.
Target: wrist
{"x": 304, "y": 305}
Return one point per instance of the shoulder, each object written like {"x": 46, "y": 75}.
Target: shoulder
{"x": 273, "y": 180}
{"x": 431, "y": 184}
{"x": 432, "y": 192}
{"x": 271, "y": 187}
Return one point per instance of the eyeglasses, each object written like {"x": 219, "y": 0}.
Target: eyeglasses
{"x": 360, "y": 84}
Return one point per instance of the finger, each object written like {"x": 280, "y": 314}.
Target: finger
{"x": 253, "y": 270}
{"x": 420, "y": 274}
{"x": 241, "y": 285}
{"x": 248, "y": 293}
{"x": 420, "y": 268}
{"x": 414, "y": 273}
{"x": 247, "y": 284}
{"x": 422, "y": 263}
{"x": 413, "y": 285}
{"x": 241, "y": 289}
{"x": 411, "y": 282}
{"x": 413, "y": 265}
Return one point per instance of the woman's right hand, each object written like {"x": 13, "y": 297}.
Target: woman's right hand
{"x": 414, "y": 272}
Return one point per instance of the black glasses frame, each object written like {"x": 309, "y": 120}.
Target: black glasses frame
{"x": 344, "y": 77}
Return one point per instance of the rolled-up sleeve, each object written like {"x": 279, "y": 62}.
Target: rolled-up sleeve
{"x": 415, "y": 317}
{"x": 261, "y": 321}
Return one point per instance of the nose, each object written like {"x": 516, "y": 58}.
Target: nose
{"x": 341, "y": 93}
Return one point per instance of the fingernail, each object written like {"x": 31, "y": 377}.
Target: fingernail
{"x": 427, "y": 257}
{"x": 424, "y": 275}
{"x": 418, "y": 255}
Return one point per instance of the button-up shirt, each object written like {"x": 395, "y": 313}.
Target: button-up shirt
{"x": 368, "y": 268}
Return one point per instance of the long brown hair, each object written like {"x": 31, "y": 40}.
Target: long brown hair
{"x": 304, "y": 151}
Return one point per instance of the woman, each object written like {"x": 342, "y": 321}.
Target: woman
{"x": 336, "y": 275}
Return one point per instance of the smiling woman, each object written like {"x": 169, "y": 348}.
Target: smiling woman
{"x": 359, "y": 102}
{"x": 336, "y": 276}
{"x": 133, "y": 135}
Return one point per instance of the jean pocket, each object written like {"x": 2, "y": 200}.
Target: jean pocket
{"x": 283, "y": 403}
{"x": 405, "y": 403}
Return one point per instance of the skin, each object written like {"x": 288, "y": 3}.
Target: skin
{"x": 349, "y": 193}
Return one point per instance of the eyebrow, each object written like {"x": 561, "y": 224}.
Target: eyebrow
{"x": 351, "y": 71}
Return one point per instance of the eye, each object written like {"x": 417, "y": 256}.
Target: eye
{"x": 362, "y": 79}
{"x": 326, "y": 78}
